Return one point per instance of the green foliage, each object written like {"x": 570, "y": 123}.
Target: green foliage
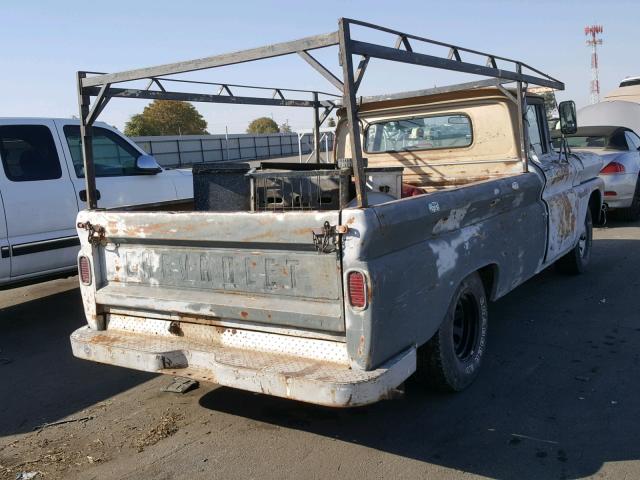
{"x": 550, "y": 104}
{"x": 263, "y": 125}
{"x": 166, "y": 117}
{"x": 285, "y": 128}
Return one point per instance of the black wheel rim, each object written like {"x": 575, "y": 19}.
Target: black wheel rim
{"x": 466, "y": 327}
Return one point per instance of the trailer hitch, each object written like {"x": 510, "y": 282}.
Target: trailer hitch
{"x": 326, "y": 240}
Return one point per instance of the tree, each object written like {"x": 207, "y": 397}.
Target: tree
{"x": 166, "y": 117}
{"x": 551, "y": 105}
{"x": 285, "y": 128}
{"x": 549, "y": 97}
{"x": 263, "y": 125}
{"x": 331, "y": 122}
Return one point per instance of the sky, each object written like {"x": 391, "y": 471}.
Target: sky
{"x": 46, "y": 42}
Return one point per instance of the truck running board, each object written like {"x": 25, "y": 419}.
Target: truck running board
{"x": 307, "y": 380}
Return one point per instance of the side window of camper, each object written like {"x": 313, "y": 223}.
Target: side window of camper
{"x": 29, "y": 153}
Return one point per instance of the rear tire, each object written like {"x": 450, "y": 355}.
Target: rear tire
{"x": 576, "y": 261}
{"x": 633, "y": 212}
{"x": 451, "y": 359}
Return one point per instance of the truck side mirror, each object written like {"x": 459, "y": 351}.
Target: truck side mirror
{"x": 147, "y": 165}
{"x": 568, "y": 117}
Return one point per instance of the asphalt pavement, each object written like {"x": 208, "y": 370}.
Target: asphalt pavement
{"x": 558, "y": 397}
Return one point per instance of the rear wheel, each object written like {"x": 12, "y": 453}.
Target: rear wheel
{"x": 450, "y": 360}
{"x": 633, "y": 212}
{"x": 576, "y": 261}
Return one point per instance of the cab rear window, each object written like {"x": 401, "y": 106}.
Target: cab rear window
{"x": 419, "y": 133}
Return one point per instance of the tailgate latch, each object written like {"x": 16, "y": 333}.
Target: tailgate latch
{"x": 326, "y": 239}
{"x": 96, "y": 233}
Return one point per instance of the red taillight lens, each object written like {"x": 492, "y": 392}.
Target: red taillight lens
{"x": 610, "y": 193}
{"x": 613, "y": 167}
{"x": 84, "y": 269}
{"x": 357, "y": 289}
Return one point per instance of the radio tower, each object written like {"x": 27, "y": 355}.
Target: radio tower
{"x": 593, "y": 41}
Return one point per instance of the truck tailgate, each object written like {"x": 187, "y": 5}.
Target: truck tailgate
{"x": 254, "y": 268}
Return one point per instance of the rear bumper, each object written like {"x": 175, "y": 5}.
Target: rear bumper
{"x": 307, "y": 380}
{"x": 624, "y": 185}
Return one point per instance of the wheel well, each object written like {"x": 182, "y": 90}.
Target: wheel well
{"x": 595, "y": 203}
{"x": 489, "y": 275}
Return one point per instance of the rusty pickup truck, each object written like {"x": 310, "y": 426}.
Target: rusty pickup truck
{"x": 333, "y": 283}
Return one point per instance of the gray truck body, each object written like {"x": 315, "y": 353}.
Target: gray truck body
{"x": 244, "y": 299}
{"x": 249, "y": 300}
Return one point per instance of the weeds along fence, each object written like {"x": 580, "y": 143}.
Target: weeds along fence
{"x": 187, "y": 150}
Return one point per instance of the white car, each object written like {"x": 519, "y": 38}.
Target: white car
{"x": 619, "y": 147}
{"x": 42, "y": 189}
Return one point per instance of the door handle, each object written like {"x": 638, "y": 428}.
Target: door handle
{"x": 83, "y": 195}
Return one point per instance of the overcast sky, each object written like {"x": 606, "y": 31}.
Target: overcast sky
{"x": 45, "y": 42}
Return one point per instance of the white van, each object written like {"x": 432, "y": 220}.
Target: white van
{"x": 42, "y": 189}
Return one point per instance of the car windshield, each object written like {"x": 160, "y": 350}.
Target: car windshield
{"x": 599, "y": 141}
{"x": 419, "y": 133}
{"x": 588, "y": 142}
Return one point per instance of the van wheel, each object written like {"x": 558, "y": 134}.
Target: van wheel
{"x": 633, "y": 212}
{"x": 576, "y": 261}
{"x": 450, "y": 360}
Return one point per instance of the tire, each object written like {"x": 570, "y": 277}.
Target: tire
{"x": 633, "y": 212}
{"x": 575, "y": 262}
{"x": 451, "y": 359}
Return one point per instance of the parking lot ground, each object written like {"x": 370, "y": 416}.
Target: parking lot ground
{"x": 558, "y": 397}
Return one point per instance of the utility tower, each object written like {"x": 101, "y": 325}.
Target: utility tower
{"x": 592, "y": 32}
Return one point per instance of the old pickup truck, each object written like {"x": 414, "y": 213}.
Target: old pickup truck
{"x": 333, "y": 284}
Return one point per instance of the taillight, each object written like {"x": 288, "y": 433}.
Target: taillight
{"x": 84, "y": 269}
{"x": 613, "y": 167}
{"x": 610, "y": 193}
{"x": 357, "y": 284}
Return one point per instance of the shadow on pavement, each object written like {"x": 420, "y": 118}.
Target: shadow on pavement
{"x": 40, "y": 380}
{"x": 557, "y": 396}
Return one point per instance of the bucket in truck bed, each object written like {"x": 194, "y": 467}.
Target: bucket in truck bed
{"x": 221, "y": 188}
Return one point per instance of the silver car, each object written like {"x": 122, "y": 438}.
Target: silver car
{"x": 620, "y": 149}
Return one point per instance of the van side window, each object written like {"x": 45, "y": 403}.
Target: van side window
{"x": 534, "y": 128}
{"x": 29, "y": 153}
{"x": 112, "y": 155}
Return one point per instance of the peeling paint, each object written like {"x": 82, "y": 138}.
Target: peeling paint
{"x": 452, "y": 221}
{"x": 446, "y": 251}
